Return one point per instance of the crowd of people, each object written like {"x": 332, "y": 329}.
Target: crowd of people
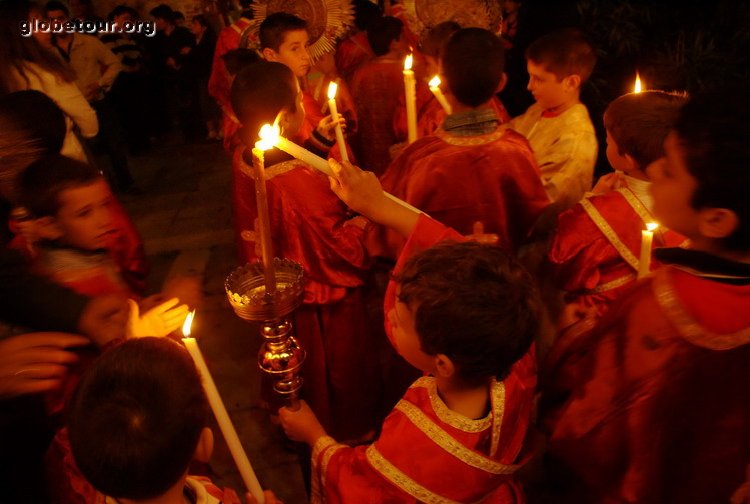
{"x": 507, "y": 336}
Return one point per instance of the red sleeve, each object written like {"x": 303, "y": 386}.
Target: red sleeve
{"x": 219, "y": 81}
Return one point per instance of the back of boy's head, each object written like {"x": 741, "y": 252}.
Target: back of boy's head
{"x": 136, "y": 418}
{"x": 713, "y": 131}
{"x": 365, "y": 14}
{"x": 274, "y": 28}
{"x": 472, "y": 62}
{"x": 382, "y": 32}
{"x": 472, "y": 303}
{"x": 163, "y": 11}
{"x": 563, "y": 52}
{"x": 42, "y": 182}
{"x": 639, "y": 123}
{"x": 260, "y": 91}
{"x": 434, "y": 40}
{"x": 237, "y": 59}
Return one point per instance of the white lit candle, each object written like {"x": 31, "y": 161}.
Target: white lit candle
{"x": 332, "y": 88}
{"x": 410, "y": 88}
{"x": 637, "y": 86}
{"x": 269, "y": 275}
{"x": 435, "y": 88}
{"x": 647, "y": 239}
{"x": 222, "y": 417}
{"x": 270, "y": 135}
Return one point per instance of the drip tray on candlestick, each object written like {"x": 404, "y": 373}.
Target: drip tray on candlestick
{"x": 247, "y": 292}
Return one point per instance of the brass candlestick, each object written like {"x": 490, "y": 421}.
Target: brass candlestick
{"x": 267, "y": 292}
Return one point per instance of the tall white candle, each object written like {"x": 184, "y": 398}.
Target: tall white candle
{"x": 270, "y": 136}
{"x": 332, "y": 88}
{"x": 647, "y": 239}
{"x": 410, "y": 88}
{"x": 435, "y": 88}
{"x": 222, "y": 417}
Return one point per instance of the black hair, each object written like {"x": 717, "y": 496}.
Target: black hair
{"x": 472, "y": 62}
{"x": 163, "y": 11}
{"x": 136, "y": 418}
{"x": 365, "y": 14}
{"x": 260, "y": 91}
{"x": 237, "y": 59}
{"x": 120, "y": 10}
{"x": 473, "y": 303}
{"x": 274, "y": 28}
{"x": 41, "y": 183}
{"x": 57, "y": 5}
{"x": 564, "y": 52}
{"x": 382, "y": 32}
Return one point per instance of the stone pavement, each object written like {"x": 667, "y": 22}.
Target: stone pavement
{"x": 184, "y": 217}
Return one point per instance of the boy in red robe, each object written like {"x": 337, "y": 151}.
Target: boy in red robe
{"x": 311, "y": 226}
{"x": 652, "y": 405}
{"x": 471, "y": 170}
{"x": 458, "y": 435}
{"x": 137, "y": 420}
{"x": 220, "y": 80}
{"x": 595, "y": 252}
{"x": 376, "y": 88}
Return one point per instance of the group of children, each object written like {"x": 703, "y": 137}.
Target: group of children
{"x": 642, "y": 395}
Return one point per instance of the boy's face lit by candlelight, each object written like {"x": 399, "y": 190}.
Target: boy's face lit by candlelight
{"x": 673, "y": 188}
{"x": 292, "y": 52}
{"x": 84, "y": 219}
{"x": 405, "y": 337}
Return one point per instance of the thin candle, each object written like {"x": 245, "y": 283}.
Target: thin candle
{"x": 271, "y": 135}
{"x": 435, "y": 88}
{"x": 410, "y": 90}
{"x": 264, "y": 219}
{"x": 647, "y": 239}
{"x": 220, "y": 412}
{"x": 332, "y": 88}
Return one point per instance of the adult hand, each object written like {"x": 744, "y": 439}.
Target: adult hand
{"x": 158, "y": 321}
{"x": 302, "y": 424}
{"x": 36, "y": 362}
{"x": 104, "y": 319}
{"x": 359, "y": 189}
{"x": 608, "y": 182}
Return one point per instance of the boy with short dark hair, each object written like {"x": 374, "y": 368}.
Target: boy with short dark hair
{"x": 594, "y": 254}
{"x": 470, "y": 170}
{"x": 309, "y": 225}
{"x": 137, "y": 420}
{"x": 376, "y": 88}
{"x": 652, "y": 405}
{"x": 467, "y": 315}
{"x": 558, "y": 126}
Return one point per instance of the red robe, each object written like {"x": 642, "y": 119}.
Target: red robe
{"x": 652, "y": 405}
{"x": 426, "y": 452}
{"x": 308, "y": 226}
{"x": 220, "y": 82}
{"x": 458, "y": 181}
{"x": 596, "y": 250}
{"x": 352, "y": 53}
{"x": 376, "y": 88}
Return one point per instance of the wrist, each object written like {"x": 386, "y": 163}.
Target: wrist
{"x": 315, "y": 434}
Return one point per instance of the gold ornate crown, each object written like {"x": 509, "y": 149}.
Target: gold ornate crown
{"x": 327, "y": 20}
{"x": 425, "y": 14}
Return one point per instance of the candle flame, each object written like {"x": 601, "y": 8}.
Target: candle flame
{"x": 269, "y": 137}
{"x": 651, "y": 226}
{"x": 188, "y": 324}
{"x": 637, "y": 86}
{"x": 332, "y": 88}
{"x": 435, "y": 82}
{"x": 408, "y": 62}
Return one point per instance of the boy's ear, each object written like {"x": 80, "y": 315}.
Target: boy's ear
{"x": 573, "y": 82}
{"x": 205, "y": 446}
{"x": 717, "y": 223}
{"x": 502, "y": 83}
{"x": 444, "y": 366}
{"x": 48, "y": 228}
{"x": 269, "y": 54}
